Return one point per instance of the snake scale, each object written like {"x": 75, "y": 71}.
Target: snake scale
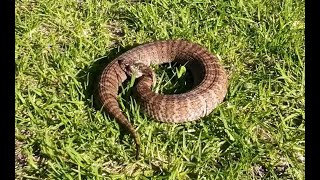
{"x": 209, "y": 78}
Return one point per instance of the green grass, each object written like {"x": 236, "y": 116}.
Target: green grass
{"x": 256, "y": 133}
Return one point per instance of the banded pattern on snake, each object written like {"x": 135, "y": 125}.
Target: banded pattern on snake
{"x": 210, "y": 83}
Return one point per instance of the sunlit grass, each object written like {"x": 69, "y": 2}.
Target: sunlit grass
{"x": 256, "y": 133}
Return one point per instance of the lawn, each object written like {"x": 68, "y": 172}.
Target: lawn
{"x": 258, "y": 132}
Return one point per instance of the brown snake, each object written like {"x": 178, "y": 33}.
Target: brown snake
{"x": 210, "y": 83}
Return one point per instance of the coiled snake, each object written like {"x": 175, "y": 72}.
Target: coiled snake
{"x": 210, "y": 83}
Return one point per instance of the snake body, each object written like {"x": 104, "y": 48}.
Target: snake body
{"x": 210, "y": 83}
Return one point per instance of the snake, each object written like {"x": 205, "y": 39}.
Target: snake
{"x": 209, "y": 89}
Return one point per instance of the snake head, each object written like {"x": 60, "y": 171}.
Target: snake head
{"x": 139, "y": 70}
{"x": 136, "y": 69}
